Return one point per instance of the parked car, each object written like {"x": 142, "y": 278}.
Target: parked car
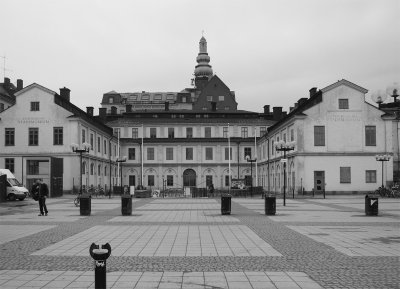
{"x": 15, "y": 190}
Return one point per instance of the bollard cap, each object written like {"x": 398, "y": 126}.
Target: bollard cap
{"x": 98, "y": 256}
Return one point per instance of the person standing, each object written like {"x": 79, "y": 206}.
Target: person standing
{"x": 41, "y": 190}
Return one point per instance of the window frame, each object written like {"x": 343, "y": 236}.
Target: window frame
{"x": 150, "y": 154}
{"x": 131, "y": 153}
{"x": 9, "y": 136}
{"x": 35, "y": 106}
{"x": 169, "y": 153}
{"x": 319, "y": 136}
{"x": 345, "y": 179}
{"x": 370, "y": 139}
{"x": 33, "y": 136}
{"x": 370, "y": 176}
{"x": 189, "y": 149}
{"x": 209, "y": 154}
{"x": 343, "y": 103}
{"x": 58, "y": 135}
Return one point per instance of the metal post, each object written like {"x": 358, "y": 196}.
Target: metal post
{"x": 80, "y": 173}
{"x": 382, "y": 173}
{"x": 284, "y": 179}
{"x": 251, "y": 173}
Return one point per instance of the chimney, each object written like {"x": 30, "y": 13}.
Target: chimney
{"x": 102, "y": 112}
{"x": 89, "y": 110}
{"x": 113, "y": 110}
{"x": 266, "y": 109}
{"x": 277, "y": 112}
{"x": 166, "y": 106}
{"x": 291, "y": 108}
{"x": 313, "y": 91}
{"x": 6, "y": 81}
{"x": 302, "y": 100}
{"x": 128, "y": 108}
{"x": 65, "y": 93}
{"x": 20, "y": 84}
{"x": 213, "y": 106}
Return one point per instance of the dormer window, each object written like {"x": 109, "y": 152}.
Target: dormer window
{"x": 343, "y": 103}
{"x": 111, "y": 100}
{"x": 184, "y": 99}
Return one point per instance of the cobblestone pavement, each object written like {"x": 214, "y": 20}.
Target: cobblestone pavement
{"x": 187, "y": 243}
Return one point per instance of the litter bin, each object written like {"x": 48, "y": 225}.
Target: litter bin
{"x": 226, "y": 204}
{"x": 371, "y": 206}
{"x": 270, "y": 205}
{"x": 85, "y": 205}
{"x": 126, "y": 205}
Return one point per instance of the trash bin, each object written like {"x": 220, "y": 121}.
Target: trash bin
{"x": 126, "y": 205}
{"x": 226, "y": 204}
{"x": 371, "y": 206}
{"x": 270, "y": 205}
{"x": 85, "y": 205}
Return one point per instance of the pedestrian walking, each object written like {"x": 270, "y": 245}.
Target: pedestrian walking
{"x": 41, "y": 191}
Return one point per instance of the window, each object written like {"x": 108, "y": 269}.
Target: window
{"x": 157, "y": 97}
{"x": 170, "y": 97}
{"x": 209, "y": 180}
{"x": 145, "y": 97}
{"x": 221, "y": 98}
{"x": 292, "y": 135}
{"x": 91, "y": 169}
{"x": 226, "y": 107}
{"x": 57, "y": 135}
{"x": 225, "y": 132}
{"x": 10, "y": 136}
{"x": 111, "y": 100}
{"x": 204, "y": 108}
{"x": 83, "y": 136}
{"x": 34, "y": 105}
{"x": 207, "y": 132}
{"x": 227, "y": 154}
{"x": 117, "y": 132}
{"x": 105, "y": 170}
{"x": 131, "y": 153}
{"x": 209, "y": 154}
{"x": 150, "y": 154}
{"x": 9, "y": 164}
{"x": 99, "y": 170}
{"x": 319, "y": 135}
{"x": 247, "y": 152}
{"x": 189, "y": 132}
{"x": 153, "y": 132}
{"x": 33, "y": 136}
{"x": 169, "y": 154}
{"x": 105, "y": 147}
{"x": 272, "y": 147}
{"x": 171, "y": 132}
{"x": 91, "y": 141}
{"x": 183, "y": 99}
{"x": 244, "y": 132}
{"x": 263, "y": 130}
{"x": 189, "y": 154}
{"x": 98, "y": 144}
{"x": 370, "y": 135}
{"x": 209, "y": 97}
{"x": 1, "y": 106}
{"x": 370, "y": 176}
{"x": 135, "y": 132}
{"x": 343, "y": 103}
{"x": 226, "y": 181}
{"x": 170, "y": 180}
{"x": 345, "y": 175}
{"x": 150, "y": 180}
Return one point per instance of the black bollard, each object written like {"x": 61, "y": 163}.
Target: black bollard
{"x": 100, "y": 268}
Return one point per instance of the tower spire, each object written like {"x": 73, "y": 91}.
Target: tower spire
{"x": 203, "y": 69}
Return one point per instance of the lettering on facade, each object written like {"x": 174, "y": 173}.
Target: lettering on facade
{"x": 33, "y": 120}
{"x": 341, "y": 117}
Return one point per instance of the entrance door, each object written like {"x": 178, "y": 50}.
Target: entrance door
{"x": 56, "y": 177}
{"x": 189, "y": 178}
{"x": 319, "y": 181}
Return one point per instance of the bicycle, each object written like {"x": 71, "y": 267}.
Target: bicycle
{"x": 383, "y": 192}
{"x": 77, "y": 200}
{"x": 395, "y": 192}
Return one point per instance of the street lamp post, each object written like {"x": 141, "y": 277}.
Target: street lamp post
{"x": 382, "y": 159}
{"x": 251, "y": 161}
{"x": 284, "y": 147}
{"x": 80, "y": 150}
{"x": 121, "y": 160}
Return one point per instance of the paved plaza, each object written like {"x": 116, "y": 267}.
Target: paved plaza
{"x": 187, "y": 243}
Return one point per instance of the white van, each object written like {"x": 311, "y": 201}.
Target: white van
{"x": 14, "y": 188}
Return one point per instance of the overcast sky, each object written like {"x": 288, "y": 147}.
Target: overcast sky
{"x": 268, "y": 52}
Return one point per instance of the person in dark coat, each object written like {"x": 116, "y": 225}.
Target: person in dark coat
{"x": 41, "y": 190}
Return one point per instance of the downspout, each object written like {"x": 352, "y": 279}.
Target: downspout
{"x": 238, "y": 154}
{"x": 268, "y": 163}
{"x": 109, "y": 159}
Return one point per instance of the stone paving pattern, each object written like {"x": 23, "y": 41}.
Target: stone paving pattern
{"x": 309, "y": 243}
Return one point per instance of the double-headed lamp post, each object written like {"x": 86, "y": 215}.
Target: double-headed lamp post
{"x": 251, "y": 161}
{"x": 85, "y": 148}
{"x": 121, "y": 160}
{"x": 284, "y": 147}
{"x": 382, "y": 159}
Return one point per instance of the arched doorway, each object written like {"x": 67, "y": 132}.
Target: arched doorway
{"x": 189, "y": 178}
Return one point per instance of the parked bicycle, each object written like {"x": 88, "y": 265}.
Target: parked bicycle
{"x": 383, "y": 192}
{"x": 77, "y": 200}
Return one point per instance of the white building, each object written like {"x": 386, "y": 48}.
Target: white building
{"x": 36, "y": 135}
{"x": 337, "y": 135}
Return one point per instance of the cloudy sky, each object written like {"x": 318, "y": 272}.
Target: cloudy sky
{"x": 267, "y": 51}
